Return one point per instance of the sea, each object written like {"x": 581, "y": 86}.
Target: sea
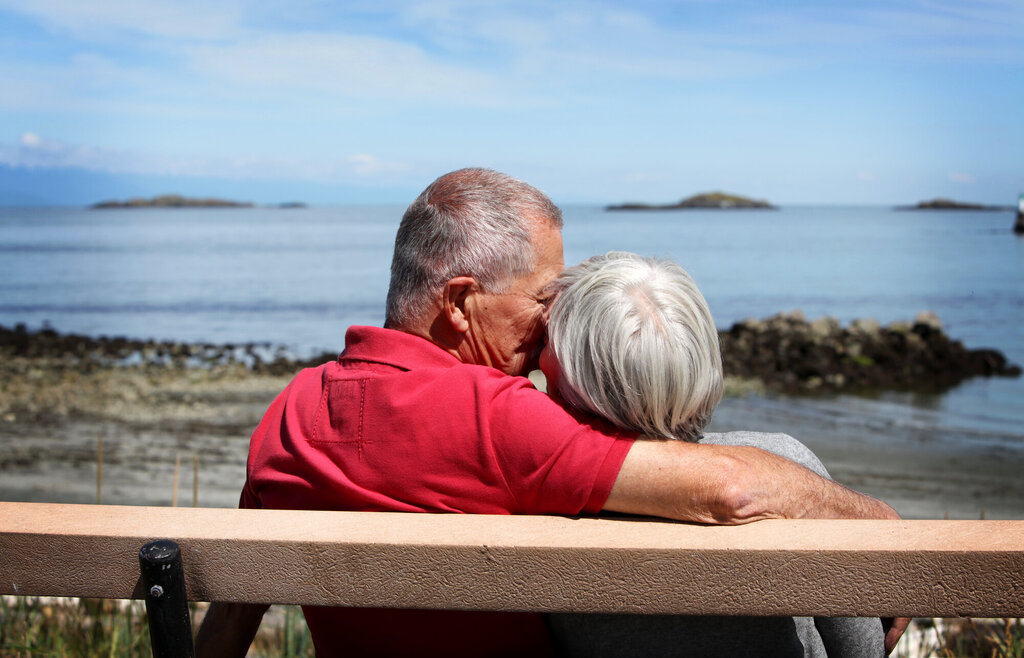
{"x": 297, "y": 277}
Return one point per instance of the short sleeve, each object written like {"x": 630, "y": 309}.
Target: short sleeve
{"x": 555, "y": 460}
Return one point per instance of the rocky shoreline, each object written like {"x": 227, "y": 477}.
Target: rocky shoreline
{"x": 149, "y": 422}
{"x": 88, "y": 353}
{"x": 784, "y": 353}
{"x": 789, "y": 354}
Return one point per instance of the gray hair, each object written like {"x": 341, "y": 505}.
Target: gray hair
{"x": 470, "y": 222}
{"x": 635, "y": 343}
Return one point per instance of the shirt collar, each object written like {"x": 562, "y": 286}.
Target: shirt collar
{"x": 394, "y": 348}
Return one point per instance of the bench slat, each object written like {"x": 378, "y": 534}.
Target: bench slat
{"x": 819, "y": 567}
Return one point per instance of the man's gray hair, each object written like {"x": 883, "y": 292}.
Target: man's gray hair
{"x": 470, "y": 222}
{"x": 635, "y": 343}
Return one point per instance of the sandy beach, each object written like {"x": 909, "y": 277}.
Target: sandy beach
{"x": 922, "y": 473}
{"x": 156, "y": 420}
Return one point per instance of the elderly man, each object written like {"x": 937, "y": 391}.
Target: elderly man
{"x": 430, "y": 414}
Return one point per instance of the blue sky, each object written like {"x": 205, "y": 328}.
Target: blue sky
{"x": 334, "y": 102}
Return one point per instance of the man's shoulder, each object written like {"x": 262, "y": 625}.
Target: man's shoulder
{"x": 314, "y": 373}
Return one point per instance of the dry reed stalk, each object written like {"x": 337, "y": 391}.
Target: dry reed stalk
{"x": 99, "y": 470}
{"x": 174, "y": 491}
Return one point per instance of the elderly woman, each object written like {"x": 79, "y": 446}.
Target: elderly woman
{"x": 632, "y": 339}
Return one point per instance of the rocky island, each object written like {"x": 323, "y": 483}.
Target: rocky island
{"x": 171, "y": 201}
{"x": 949, "y": 204}
{"x": 705, "y": 201}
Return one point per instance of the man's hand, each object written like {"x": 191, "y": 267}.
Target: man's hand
{"x": 730, "y": 485}
{"x": 894, "y": 628}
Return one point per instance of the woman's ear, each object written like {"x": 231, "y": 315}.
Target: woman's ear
{"x": 456, "y": 292}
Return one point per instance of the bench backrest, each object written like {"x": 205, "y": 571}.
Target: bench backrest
{"x": 451, "y": 561}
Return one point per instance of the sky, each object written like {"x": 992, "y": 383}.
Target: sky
{"x": 873, "y": 102}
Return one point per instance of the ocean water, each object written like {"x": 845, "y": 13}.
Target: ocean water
{"x": 299, "y": 277}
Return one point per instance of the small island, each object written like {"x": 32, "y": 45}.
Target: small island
{"x": 949, "y": 204}
{"x": 171, "y": 201}
{"x": 706, "y": 201}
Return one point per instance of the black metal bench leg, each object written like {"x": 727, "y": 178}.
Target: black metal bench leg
{"x": 163, "y": 577}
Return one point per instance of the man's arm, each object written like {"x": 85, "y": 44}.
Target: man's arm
{"x": 729, "y": 485}
{"x": 228, "y": 629}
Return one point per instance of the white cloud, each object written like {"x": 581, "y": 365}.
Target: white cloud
{"x": 367, "y": 165}
{"x": 344, "y": 65}
{"x": 455, "y": 54}
{"x": 865, "y": 176}
{"x": 583, "y": 44}
{"x": 967, "y": 179}
{"x": 33, "y": 151}
{"x": 88, "y": 82}
{"x": 182, "y": 19}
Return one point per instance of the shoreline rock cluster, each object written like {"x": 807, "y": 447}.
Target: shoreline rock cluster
{"x": 88, "y": 354}
{"x": 784, "y": 353}
{"x": 787, "y": 353}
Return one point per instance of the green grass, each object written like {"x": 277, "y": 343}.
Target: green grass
{"x": 58, "y": 627}
{"x": 67, "y": 627}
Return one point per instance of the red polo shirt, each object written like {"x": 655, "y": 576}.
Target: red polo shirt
{"x": 398, "y": 424}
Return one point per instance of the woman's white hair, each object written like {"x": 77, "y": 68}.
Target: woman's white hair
{"x": 470, "y": 222}
{"x": 635, "y": 343}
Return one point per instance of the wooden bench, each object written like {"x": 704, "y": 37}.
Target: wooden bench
{"x": 470, "y": 562}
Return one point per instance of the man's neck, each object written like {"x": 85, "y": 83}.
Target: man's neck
{"x": 436, "y": 330}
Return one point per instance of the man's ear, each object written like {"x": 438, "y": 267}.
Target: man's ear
{"x": 456, "y": 292}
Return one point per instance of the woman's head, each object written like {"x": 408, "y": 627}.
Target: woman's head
{"x": 634, "y": 342}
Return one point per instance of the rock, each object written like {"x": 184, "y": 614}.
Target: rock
{"x": 865, "y": 326}
{"x": 783, "y": 352}
{"x": 824, "y": 327}
{"x": 914, "y": 342}
{"x": 787, "y": 353}
{"x": 929, "y": 319}
{"x": 899, "y": 327}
